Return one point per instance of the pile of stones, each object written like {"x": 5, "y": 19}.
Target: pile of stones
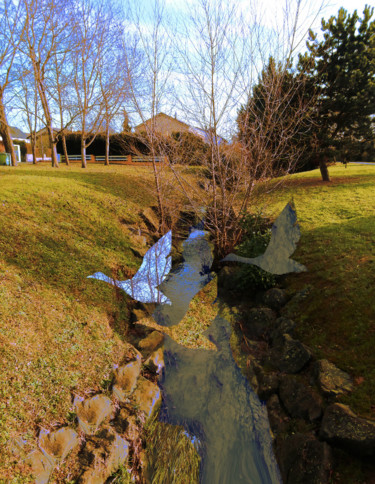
{"x": 107, "y": 433}
{"x": 301, "y": 394}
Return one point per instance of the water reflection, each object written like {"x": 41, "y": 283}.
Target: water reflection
{"x": 206, "y": 392}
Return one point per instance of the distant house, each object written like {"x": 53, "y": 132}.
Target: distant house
{"x": 16, "y": 135}
{"x": 166, "y": 125}
{"x": 43, "y": 147}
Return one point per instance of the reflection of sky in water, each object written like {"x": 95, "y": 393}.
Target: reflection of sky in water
{"x": 206, "y": 392}
{"x": 154, "y": 269}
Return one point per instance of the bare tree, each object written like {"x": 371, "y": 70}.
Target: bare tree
{"x": 28, "y": 106}
{"x": 93, "y": 38}
{"x": 11, "y": 31}
{"x": 222, "y": 56}
{"x": 151, "y": 51}
{"x": 113, "y": 87}
{"x": 47, "y": 36}
{"x": 62, "y": 91}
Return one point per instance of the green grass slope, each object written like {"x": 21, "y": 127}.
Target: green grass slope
{"x": 337, "y": 245}
{"x": 56, "y": 326}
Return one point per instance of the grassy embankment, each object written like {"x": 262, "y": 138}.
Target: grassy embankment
{"x": 337, "y": 319}
{"x": 337, "y": 245}
{"x": 57, "y": 328}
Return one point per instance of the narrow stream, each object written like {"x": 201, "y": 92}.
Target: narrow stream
{"x": 205, "y": 390}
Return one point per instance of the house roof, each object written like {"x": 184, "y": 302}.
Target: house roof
{"x": 165, "y": 116}
{"x": 16, "y": 134}
{"x": 202, "y": 133}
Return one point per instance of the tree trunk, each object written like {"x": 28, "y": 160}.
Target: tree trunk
{"x": 65, "y": 150}
{"x": 106, "y": 162}
{"x": 33, "y": 148}
{"x": 324, "y": 169}
{"x": 5, "y": 133}
{"x": 83, "y": 152}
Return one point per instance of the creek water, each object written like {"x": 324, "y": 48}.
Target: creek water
{"x": 205, "y": 390}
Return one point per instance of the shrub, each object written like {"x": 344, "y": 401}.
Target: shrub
{"x": 255, "y": 239}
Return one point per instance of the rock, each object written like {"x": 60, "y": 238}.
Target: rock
{"x": 259, "y": 323}
{"x": 282, "y": 326}
{"x": 104, "y": 454}
{"x": 293, "y": 308}
{"x": 59, "y": 443}
{"x": 17, "y": 447}
{"x": 151, "y": 342}
{"x": 331, "y": 380}
{"x": 132, "y": 430}
{"x": 126, "y": 379}
{"x": 155, "y": 362}
{"x": 292, "y": 356}
{"x": 41, "y": 466}
{"x": 146, "y": 397}
{"x": 137, "y": 315}
{"x": 274, "y": 298}
{"x": 299, "y": 400}
{"x": 276, "y": 415}
{"x": 225, "y": 276}
{"x": 140, "y": 242}
{"x": 268, "y": 383}
{"x": 150, "y": 218}
{"x": 121, "y": 421}
{"x": 304, "y": 460}
{"x": 130, "y": 354}
{"x": 92, "y": 412}
{"x": 342, "y": 428}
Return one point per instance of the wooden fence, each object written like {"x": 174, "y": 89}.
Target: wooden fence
{"x": 143, "y": 160}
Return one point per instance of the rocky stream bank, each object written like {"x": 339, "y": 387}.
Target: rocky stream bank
{"x": 301, "y": 392}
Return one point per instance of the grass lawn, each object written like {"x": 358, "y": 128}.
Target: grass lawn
{"x": 57, "y": 335}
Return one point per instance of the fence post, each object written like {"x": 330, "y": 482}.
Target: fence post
{"x": 129, "y": 158}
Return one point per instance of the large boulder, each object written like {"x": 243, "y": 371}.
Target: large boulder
{"x": 299, "y": 400}
{"x": 92, "y": 412}
{"x": 102, "y": 456}
{"x": 155, "y": 362}
{"x": 291, "y": 356}
{"x": 275, "y": 298}
{"x": 282, "y": 326}
{"x": 125, "y": 381}
{"x": 225, "y": 278}
{"x": 57, "y": 445}
{"x": 41, "y": 466}
{"x": 342, "y": 428}
{"x": 146, "y": 397}
{"x": 259, "y": 322}
{"x": 304, "y": 460}
{"x": 277, "y": 417}
{"x": 151, "y": 342}
{"x": 331, "y": 380}
{"x": 268, "y": 382}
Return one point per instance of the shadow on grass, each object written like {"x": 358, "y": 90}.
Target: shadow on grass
{"x": 337, "y": 318}
{"x": 114, "y": 182}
